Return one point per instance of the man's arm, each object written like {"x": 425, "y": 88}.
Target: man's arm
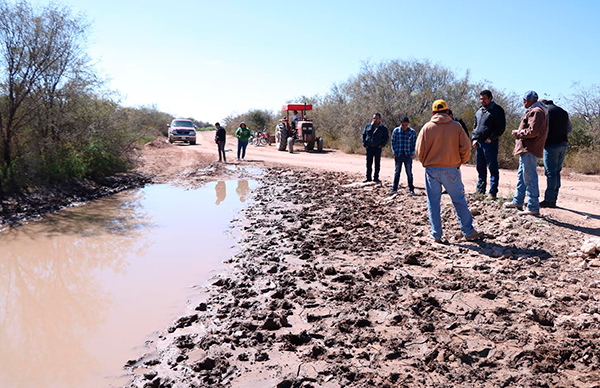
{"x": 386, "y": 136}
{"x": 420, "y": 146}
{"x": 536, "y": 123}
{"x": 364, "y": 136}
{"x": 499, "y": 122}
{"x": 464, "y": 147}
{"x": 394, "y": 140}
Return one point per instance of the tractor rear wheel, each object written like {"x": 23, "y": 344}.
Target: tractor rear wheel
{"x": 320, "y": 144}
{"x": 281, "y": 139}
{"x": 309, "y": 146}
{"x": 290, "y": 144}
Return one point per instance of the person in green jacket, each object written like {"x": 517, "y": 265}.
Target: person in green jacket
{"x": 243, "y": 134}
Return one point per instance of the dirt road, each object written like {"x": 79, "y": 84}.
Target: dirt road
{"x": 579, "y": 198}
{"x": 338, "y": 284}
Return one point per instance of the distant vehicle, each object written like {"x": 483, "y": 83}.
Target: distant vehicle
{"x": 303, "y": 131}
{"x": 182, "y": 130}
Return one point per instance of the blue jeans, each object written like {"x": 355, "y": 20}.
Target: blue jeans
{"x": 487, "y": 157}
{"x": 554, "y": 156}
{"x": 373, "y": 153}
{"x": 450, "y": 178}
{"x": 221, "y": 147}
{"x": 407, "y": 161}
{"x": 242, "y": 148}
{"x": 527, "y": 182}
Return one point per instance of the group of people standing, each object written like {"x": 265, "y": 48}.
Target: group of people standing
{"x": 243, "y": 135}
{"x": 443, "y": 145}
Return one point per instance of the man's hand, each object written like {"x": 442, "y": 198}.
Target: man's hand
{"x": 474, "y": 144}
{"x": 515, "y": 133}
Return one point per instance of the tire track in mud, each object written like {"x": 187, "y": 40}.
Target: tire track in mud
{"x": 337, "y": 284}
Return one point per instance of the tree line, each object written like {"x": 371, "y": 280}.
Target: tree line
{"x": 398, "y": 88}
{"x": 57, "y": 119}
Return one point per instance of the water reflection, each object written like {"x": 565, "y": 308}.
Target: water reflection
{"x": 242, "y": 190}
{"x": 82, "y": 288}
{"x": 49, "y": 297}
{"x": 221, "y": 191}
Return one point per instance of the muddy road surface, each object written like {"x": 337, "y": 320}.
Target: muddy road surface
{"x": 338, "y": 284}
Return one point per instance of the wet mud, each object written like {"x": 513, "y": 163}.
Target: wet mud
{"x": 337, "y": 284}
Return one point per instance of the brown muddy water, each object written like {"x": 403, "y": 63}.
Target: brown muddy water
{"x": 82, "y": 290}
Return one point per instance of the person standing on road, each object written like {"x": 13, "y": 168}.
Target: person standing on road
{"x": 529, "y": 145}
{"x": 375, "y": 136}
{"x": 490, "y": 123}
{"x": 243, "y": 134}
{"x": 555, "y": 150}
{"x": 404, "y": 139}
{"x": 442, "y": 147}
{"x": 220, "y": 138}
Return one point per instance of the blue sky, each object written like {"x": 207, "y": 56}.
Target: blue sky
{"x": 207, "y": 59}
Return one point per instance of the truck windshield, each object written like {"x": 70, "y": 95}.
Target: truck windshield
{"x": 187, "y": 124}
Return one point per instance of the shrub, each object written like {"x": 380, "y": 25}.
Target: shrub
{"x": 585, "y": 161}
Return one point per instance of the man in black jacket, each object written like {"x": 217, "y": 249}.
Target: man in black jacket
{"x": 220, "y": 138}
{"x": 458, "y": 120}
{"x": 490, "y": 123}
{"x": 374, "y": 137}
{"x": 555, "y": 150}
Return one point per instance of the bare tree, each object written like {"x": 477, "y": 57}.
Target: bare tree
{"x": 40, "y": 50}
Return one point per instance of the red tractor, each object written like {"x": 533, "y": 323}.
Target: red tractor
{"x": 299, "y": 129}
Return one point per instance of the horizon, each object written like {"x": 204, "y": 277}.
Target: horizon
{"x": 212, "y": 59}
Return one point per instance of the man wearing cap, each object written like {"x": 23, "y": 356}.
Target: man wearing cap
{"x": 404, "y": 139}
{"x": 490, "y": 123}
{"x": 374, "y": 137}
{"x": 442, "y": 147}
{"x": 555, "y": 150}
{"x": 529, "y": 145}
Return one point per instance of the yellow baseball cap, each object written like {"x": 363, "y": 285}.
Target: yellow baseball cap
{"x": 439, "y": 105}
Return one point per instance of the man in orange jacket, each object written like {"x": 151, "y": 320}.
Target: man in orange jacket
{"x": 442, "y": 147}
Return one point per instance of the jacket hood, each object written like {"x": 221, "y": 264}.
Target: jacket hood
{"x": 440, "y": 118}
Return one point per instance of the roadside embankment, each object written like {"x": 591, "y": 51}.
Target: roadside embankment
{"x": 39, "y": 201}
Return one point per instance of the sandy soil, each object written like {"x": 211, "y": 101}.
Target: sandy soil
{"x": 338, "y": 284}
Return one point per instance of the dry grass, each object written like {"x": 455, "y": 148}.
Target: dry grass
{"x": 585, "y": 161}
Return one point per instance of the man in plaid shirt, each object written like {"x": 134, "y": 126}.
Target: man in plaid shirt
{"x": 403, "y": 147}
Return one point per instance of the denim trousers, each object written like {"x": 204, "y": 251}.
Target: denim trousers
{"x": 450, "y": 178}
{"x": 527, "y": 182}
{"x": 407, "y": 161}
{"x": 221, "y": 147}
{"x": 487, "y": 157}
{"x": 242, "y": 148}
{"x": 373, "y": 153}
{"x": 554, "y": 156}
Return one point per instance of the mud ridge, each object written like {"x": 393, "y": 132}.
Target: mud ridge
{"x": 36, "y": 202}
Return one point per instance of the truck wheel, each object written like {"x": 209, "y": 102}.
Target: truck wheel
{"x": 170, "y": 140}
{"x": 290, "y": 144}
{"x": 309, "y": 146}
{"x": 192, "y": 142}
{"x": 320, "y": 144}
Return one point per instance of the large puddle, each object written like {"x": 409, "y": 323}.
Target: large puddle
{"x": 80, "y": 289}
